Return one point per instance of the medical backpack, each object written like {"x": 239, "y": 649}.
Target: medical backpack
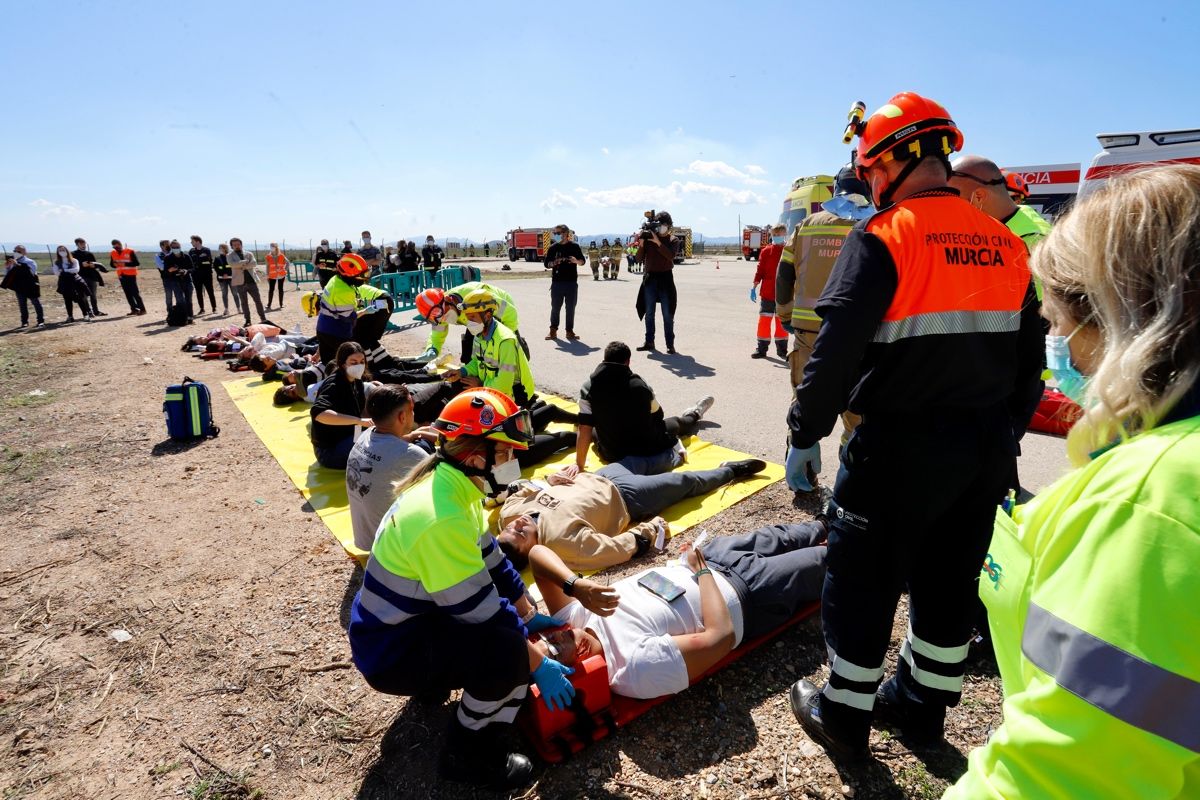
{"x": 188, "y": 411}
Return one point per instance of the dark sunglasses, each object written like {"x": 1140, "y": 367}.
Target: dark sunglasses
{"x": 995, "y": 182}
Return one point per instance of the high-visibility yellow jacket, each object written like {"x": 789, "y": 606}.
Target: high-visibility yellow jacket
{"x": 1032, "y": 228}
{"x": 506, "y": 311}
{"x": 499, "y": 363}
{"x": 804, "y": 268}
{"x": 1093, "y": 596}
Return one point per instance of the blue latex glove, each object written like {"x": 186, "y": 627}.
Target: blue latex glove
{"x": 796, "y": 466}
{"x": 753, "y": 294}
{"x": 551, "y": 679}
{"x": 541, "y": 622}
{"x": 427, "y": 356}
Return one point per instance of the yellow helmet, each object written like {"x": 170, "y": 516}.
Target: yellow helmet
{"x": 309, "y": 301}
{"x": 478, "y": 302}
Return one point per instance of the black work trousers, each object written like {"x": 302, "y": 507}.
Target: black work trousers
{"x": 913, "y": 508}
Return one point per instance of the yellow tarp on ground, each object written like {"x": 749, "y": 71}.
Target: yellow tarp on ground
{"x": 285, "y": 433}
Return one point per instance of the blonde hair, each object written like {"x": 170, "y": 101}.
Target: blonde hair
{"x": 1129, "y": 258}
{"x": 459, "y": 449}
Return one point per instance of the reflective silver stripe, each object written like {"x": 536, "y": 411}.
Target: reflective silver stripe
{"x": 493, "y": 558}
{"x": 860, "y": 700}
{"x": 853, "y": 672}
{"x": 387, "y": 613}
{"x": 441, "y": 327}
{"x": 1117, "y": 682}
{"x": 943, "y": 322}
{"x": 927, "y": 678}
{"x": 478, "y": 714}
{"x": 488, "y": 605}
{"x": 488, "y": 361}
{"x": 507, "y": 368}
{"x": 408, "y": 587}
{"x": 946, "y": 655}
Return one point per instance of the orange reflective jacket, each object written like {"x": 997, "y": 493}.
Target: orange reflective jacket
{"x": 121, "y": 259}
{"x": 276, "y": 266}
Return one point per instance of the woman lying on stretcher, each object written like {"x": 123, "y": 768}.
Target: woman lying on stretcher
{"x": 671, "y": 624}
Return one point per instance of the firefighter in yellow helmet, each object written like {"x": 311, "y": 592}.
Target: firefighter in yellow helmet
{"x": 497, "y": 360}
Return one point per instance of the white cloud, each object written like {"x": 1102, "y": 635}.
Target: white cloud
{"x": 643, "y": 195}
{"x": 559, "y": 200}
{"x": 50, "y": 209}
{"x": 755, "y": 169}
{"x": 718, "y": 169}
{"x": 604, "y": 150}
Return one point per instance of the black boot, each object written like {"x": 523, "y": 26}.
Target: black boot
{"x": 805, "y": 699}
{"x": 746, "y": 468}
{"x": 481, "y": 758}
{"x": 918, "y": 725}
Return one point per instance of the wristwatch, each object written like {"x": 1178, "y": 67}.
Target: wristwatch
{"x": 568, "y": 586}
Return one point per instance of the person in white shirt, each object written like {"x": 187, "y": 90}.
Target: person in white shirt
{"x": 732, "y": 589}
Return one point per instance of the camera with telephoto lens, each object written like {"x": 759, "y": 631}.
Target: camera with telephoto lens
{"x": 650, "y": 226}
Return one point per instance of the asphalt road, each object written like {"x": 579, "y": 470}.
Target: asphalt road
{"x": 715, "y": 335}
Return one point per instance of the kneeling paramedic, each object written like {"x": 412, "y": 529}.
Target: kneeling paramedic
{"x": 929, "y": 331}
{"x": 440, "y": 308}
{"x": 441, "y": 608}
{"x": 497, "y": 359}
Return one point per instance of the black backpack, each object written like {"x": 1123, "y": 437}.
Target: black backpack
{"x": 179, "y": 314}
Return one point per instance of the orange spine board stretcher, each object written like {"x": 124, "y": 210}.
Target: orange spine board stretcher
{"x": 597, "y": 712}
{"x": 1055, "y": 414}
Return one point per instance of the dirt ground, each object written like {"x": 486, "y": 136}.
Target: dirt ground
{"x": 234, "y": 678}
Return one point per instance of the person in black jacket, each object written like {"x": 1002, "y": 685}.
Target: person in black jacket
{"x": 339, "y": 411}
{"x": 202, "y": 273}
{"x": 178, "y": 269}
{"x": 20, "y": 275}
{"x": 657, "y": 254}
{"x": 619, "y": 411}
{"x": 563, "y": 259}
{"x": 224, "y": 275}
{"x": 325, "y": 260}
{"x": 89, "y": 269}
{"x": 410, "y": 259}
{"x": 432, "y": 255}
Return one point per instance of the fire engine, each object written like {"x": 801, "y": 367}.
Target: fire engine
{"x": 530, "y": 244}
{"x": 754, "y": 239}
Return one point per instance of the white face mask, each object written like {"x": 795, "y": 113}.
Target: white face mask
{"x": 474, "y": 328}
{"x": 355, "y": 371}
{"x": 366, "y": 240}
{"x": 451, "y": 316}
{"x": 62, "y": 253}
{"x": 506, "y": 473}
{"x": 663, "y": 230}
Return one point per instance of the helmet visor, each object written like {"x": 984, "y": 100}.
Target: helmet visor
{"x": 517, "y": 430}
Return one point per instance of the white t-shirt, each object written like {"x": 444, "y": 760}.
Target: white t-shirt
{"x": 643, "y": 661}
{"x": 376, "y": 461}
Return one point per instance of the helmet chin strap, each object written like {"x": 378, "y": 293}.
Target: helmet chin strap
{"x": 885, "y": 199}
{"x": 476, "y": 472}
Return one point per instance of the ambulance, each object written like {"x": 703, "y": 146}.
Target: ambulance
{"x": 1052, "y": 187}
{"x": 804, "y": 198}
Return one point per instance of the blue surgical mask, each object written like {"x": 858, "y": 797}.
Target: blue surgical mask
{"x": 844, "y": 207}
{"x": 778, "y": 239}
{"x": 557, "y": 237}
{"x": 1071, "y": 381}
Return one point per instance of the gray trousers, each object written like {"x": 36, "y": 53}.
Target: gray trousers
{"x": 648, "y": 495}
{"x": 776, "y": 570}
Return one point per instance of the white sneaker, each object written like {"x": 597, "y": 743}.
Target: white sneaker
{"x": 701, "y": 408}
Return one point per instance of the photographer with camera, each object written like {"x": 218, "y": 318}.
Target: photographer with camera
{"x": 656, "y": 252}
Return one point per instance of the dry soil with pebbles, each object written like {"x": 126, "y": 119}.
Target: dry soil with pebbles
{"x": 172, "y": 620}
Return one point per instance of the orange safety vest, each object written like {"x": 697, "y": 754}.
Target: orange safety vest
{"x": 276, "y": 266}
{"x": 121, "y": 259}
{"x": 958, "y": 270}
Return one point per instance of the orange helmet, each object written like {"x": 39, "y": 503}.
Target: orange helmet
{"x": 430, "y": 304}
{"x": 907, "y": 117}
{"x": 1018, "y": 190}
{"x": 486, "y": 413}
{"x": 352, "y": 265}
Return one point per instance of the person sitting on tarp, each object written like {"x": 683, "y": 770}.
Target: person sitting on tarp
{"x": 339, "y": 411}
{"x": 441, "y": 309}
{"x": 587, "y": 518}
{"x": 382, "y": 456}
{"x": 733, "y": 589}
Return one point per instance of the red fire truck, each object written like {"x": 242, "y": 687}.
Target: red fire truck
{"x": 529, "y": 244}
{"x": 754, "y": 239}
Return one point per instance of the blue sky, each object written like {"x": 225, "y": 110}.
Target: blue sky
{"x": 297, "y": 120}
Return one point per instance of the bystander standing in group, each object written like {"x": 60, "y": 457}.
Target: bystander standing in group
{"x": 277, "y": 265}
{"x": 125, "y": 263}
{"x": 179, "y": 270}
{"x": 563, "y": 259}
{"x": 160, "y": 263}
{"x": 202, "y": 274}
{"x": 244, "y": 265}
{"x": 325, "y": 260}
{"x": 370, "y": 253}
{"x": 225, "y": 278}
{"x": 657, "y": 254}
{"x": 89, "y": 269}
{"x": 71, "y": 285}
{"x": 410, "y": 259}
{"x": 431, "y": 254}
{"x": 22, "y": 278}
